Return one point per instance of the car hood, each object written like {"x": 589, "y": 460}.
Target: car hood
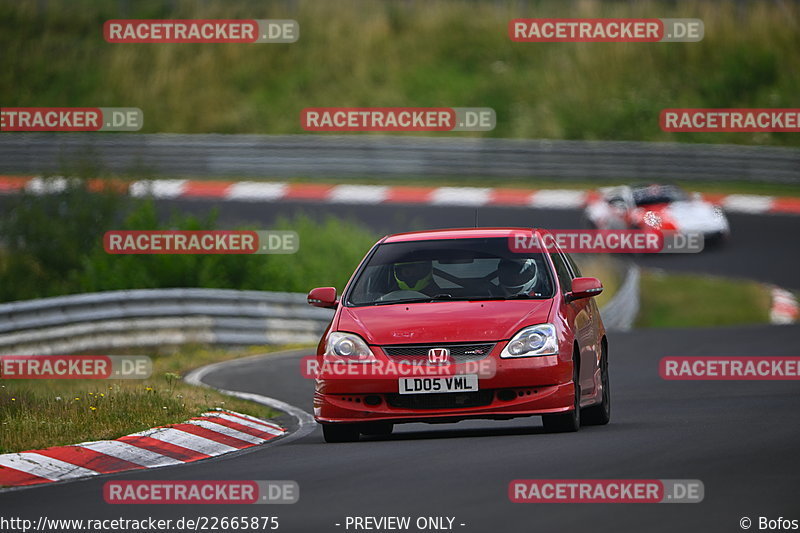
{"x": 440, "y": 322}
{"x": 688, "y": 216}
{"x": 695, "y": 216}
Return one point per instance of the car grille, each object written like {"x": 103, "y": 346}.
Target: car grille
{"x": 418, "y": 353}
{"x": 448, "y": 400}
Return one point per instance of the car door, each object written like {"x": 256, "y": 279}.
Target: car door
{"x": 581, "y": 314}
{"x": 595, "y": 334}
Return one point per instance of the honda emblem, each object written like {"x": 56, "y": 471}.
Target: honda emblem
{"x": 438, "y": 356}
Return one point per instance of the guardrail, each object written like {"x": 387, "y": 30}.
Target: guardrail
{"x": 621, "y": 310}
{"x": 155, "y": 317}
{"x": 332, "y": 156}
{"x": 152, "y": 317}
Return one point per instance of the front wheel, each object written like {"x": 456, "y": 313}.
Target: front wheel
{"x": 600, "y": 414}
{"x": 340, "y": 432}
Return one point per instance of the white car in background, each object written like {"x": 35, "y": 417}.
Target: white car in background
{"x": 663, "y": 207}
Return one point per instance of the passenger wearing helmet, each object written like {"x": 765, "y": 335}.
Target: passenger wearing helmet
{"x": 415, "y": 276}
{"x": 516, "y": 276}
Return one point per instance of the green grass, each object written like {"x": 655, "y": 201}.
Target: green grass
{"x": 37, "y": 414}
{"x": 389, "y": 53}
{"x": 692, "y": 300}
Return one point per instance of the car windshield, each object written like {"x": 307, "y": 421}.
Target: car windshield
{"x": 453, "y": 269}
{"x": 658, "y": 194}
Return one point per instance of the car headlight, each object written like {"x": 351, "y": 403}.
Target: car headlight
{"x": 652, "y": 219}
{"x": 721, "y": 219}
{"x": 532, "y": 341}
{"x": 348, "y": 346}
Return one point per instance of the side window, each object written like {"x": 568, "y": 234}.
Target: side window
{"x": 564, "y": 276}
{"x": 576, "y": 272}
{"x": 617, "y": 202}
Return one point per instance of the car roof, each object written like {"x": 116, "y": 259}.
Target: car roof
{"x": 655, "y": 186}
{"x": 455, "y": 233}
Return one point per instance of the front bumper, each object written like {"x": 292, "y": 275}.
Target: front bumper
{"x": 519, "y": 387}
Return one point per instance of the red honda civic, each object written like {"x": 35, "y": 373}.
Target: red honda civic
{"x": 448, "y": 325}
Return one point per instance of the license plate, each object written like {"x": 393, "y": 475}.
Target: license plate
{"x": 461, "y": 383}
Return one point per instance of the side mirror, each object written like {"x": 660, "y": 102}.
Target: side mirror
{"x": 323, "y": 297}
{"x": 584, "y": 288}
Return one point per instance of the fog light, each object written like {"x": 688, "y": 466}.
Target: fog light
{"x": 506, "y": 395}
{"x": 372, "y": 400}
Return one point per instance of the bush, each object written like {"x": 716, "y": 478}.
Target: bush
{"x": 53, "y": 246}
{"x": 46, "y": 237}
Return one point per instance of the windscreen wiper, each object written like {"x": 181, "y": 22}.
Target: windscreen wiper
{"x": 449, "y": 297}
{"x": 402, "y": 301}
{"x": 439, "y": 297}
{"x": 523, "y": 296}
{"x": 484, "y": 298}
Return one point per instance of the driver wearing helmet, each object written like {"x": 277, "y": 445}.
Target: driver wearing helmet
{"x": 516, "y": 276}
{"x": 415, "y": 276}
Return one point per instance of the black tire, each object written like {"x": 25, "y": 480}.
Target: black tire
{"x": 340, "y": 432}
{"x": 600, "y": 414}
{"x": 571, "y": 420}
{"x": 377, "y": 429}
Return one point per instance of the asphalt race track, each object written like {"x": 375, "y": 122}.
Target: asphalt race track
{"x": 740, "y": 438}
